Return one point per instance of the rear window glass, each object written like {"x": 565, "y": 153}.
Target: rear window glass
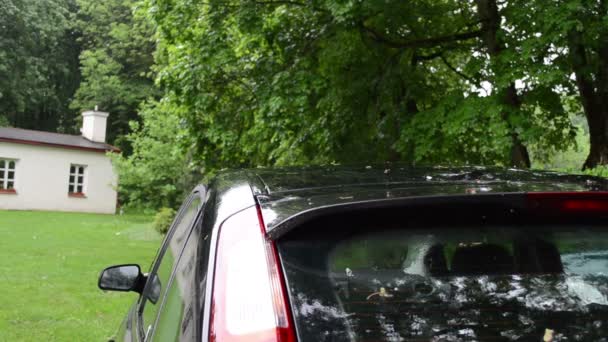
{"x": 499, "y": 283}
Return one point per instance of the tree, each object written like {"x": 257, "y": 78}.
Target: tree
{"x": 157, "y": 173}
{"x": 568, "y": 42}
{"x": 434, "y": 82}
{"x": 274, "y": 82}
{"x": 490, "y": 19}
{"x": 269, "y": 83}
{"x": 588, "y": 52}
{"x": 38, "y": 63}
{"x": 116, "y": 63}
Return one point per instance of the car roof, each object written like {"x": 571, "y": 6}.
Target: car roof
{"x": 297, "y": 179}
{"x": 285, "y": 192}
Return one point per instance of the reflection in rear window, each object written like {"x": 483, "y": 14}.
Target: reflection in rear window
{"x": 439, "y": 284}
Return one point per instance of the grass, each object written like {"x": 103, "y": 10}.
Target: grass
{"x": 49, "y": 267}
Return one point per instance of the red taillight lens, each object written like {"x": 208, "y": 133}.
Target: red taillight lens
{"x": 573, "y": 202}
{"x": 249, "y": 295}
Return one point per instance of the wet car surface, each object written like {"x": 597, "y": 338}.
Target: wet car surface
{"x": 381, "y": 254}
{"x": 432, "y": 299}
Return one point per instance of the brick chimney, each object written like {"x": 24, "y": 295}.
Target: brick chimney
{"x": 94, "y": 125}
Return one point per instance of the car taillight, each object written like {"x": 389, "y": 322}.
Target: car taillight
{"x": 249, "y": 295}
{"x": 571, "y": 202}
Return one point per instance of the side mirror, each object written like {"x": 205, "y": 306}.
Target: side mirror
{"x": 122, "y": 278}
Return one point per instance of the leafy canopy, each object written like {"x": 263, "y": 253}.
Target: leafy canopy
{"x": 275, "y": 83}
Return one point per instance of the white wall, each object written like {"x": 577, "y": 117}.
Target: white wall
{"x": 94, "y": 125}
{"x": 42, "y": 175}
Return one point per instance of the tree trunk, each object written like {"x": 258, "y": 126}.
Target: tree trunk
{"x": 597, "y": 119}
{"x": 598, "y": 152}
{"x": 519, "y": 152}
{"x": 593, "y": 92}
{"x": 490, "y": 21}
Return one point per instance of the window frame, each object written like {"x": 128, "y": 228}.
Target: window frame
{"x": 199, "y": 193}
{"x": 453, "y": 233}
{"x": 5, "y": 180}
{"x": 197, "y": 225}
{"x": 80, "y": 170}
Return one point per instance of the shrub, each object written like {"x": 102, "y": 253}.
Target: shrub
{"x": 163, "y": 219}
{"x": 600, "y": 171}
{"x": 158, "y": 173}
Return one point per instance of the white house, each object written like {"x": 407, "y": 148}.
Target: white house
{"x": 51, "y": 171}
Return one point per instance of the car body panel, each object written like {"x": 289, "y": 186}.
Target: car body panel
{"x": 295, "y": 179}
{"x": 127, "y": 331}
{"x": 317, "y": 188}
{"x": 287, "y": 196}
{"x": 228, "y": 193}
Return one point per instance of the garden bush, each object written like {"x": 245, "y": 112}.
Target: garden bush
{"x": 163, "y": 219}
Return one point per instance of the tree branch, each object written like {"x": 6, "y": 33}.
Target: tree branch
{"x": 418, "y": 58}
{"x": 265, "y": 3}
{"x": 457, "y": 72}
{"x": 280, "y": 2}
{"x": 420, "y": 43}
{"x": 584, "y": 81}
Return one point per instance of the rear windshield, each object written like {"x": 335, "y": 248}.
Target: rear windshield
{"x": 443, "y": 283}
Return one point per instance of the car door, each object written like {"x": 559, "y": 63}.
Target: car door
{"x": 177, "y": 312}
{"x": 179, "y": 317}
{"x": 166, "y": 262}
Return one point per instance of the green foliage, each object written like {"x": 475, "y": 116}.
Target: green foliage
{"x": 280, "y": 84}
{"x": 157, "y": 173}
{"x": 600, "y": 171}
{"x": 4, "y": 121}
{"x": 569, "y": 159}
{"x": 38, "y": 63}
{"x": 163, "y": 219}
{"x": 250, "y": 83}
{"x": 275, "y": 83}
{"x": 458, "y": 130}
{"x": 566, "y": 46}
{"x": 116, "y": 63}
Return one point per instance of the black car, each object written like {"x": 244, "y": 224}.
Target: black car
{"x": 378, "y": 254}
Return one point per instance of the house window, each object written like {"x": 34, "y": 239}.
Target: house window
{"x": 7, "y": 175}
{"x": 76, "y": 183}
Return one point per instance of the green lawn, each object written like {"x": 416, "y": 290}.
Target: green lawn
{"x": 49, "y": 267}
